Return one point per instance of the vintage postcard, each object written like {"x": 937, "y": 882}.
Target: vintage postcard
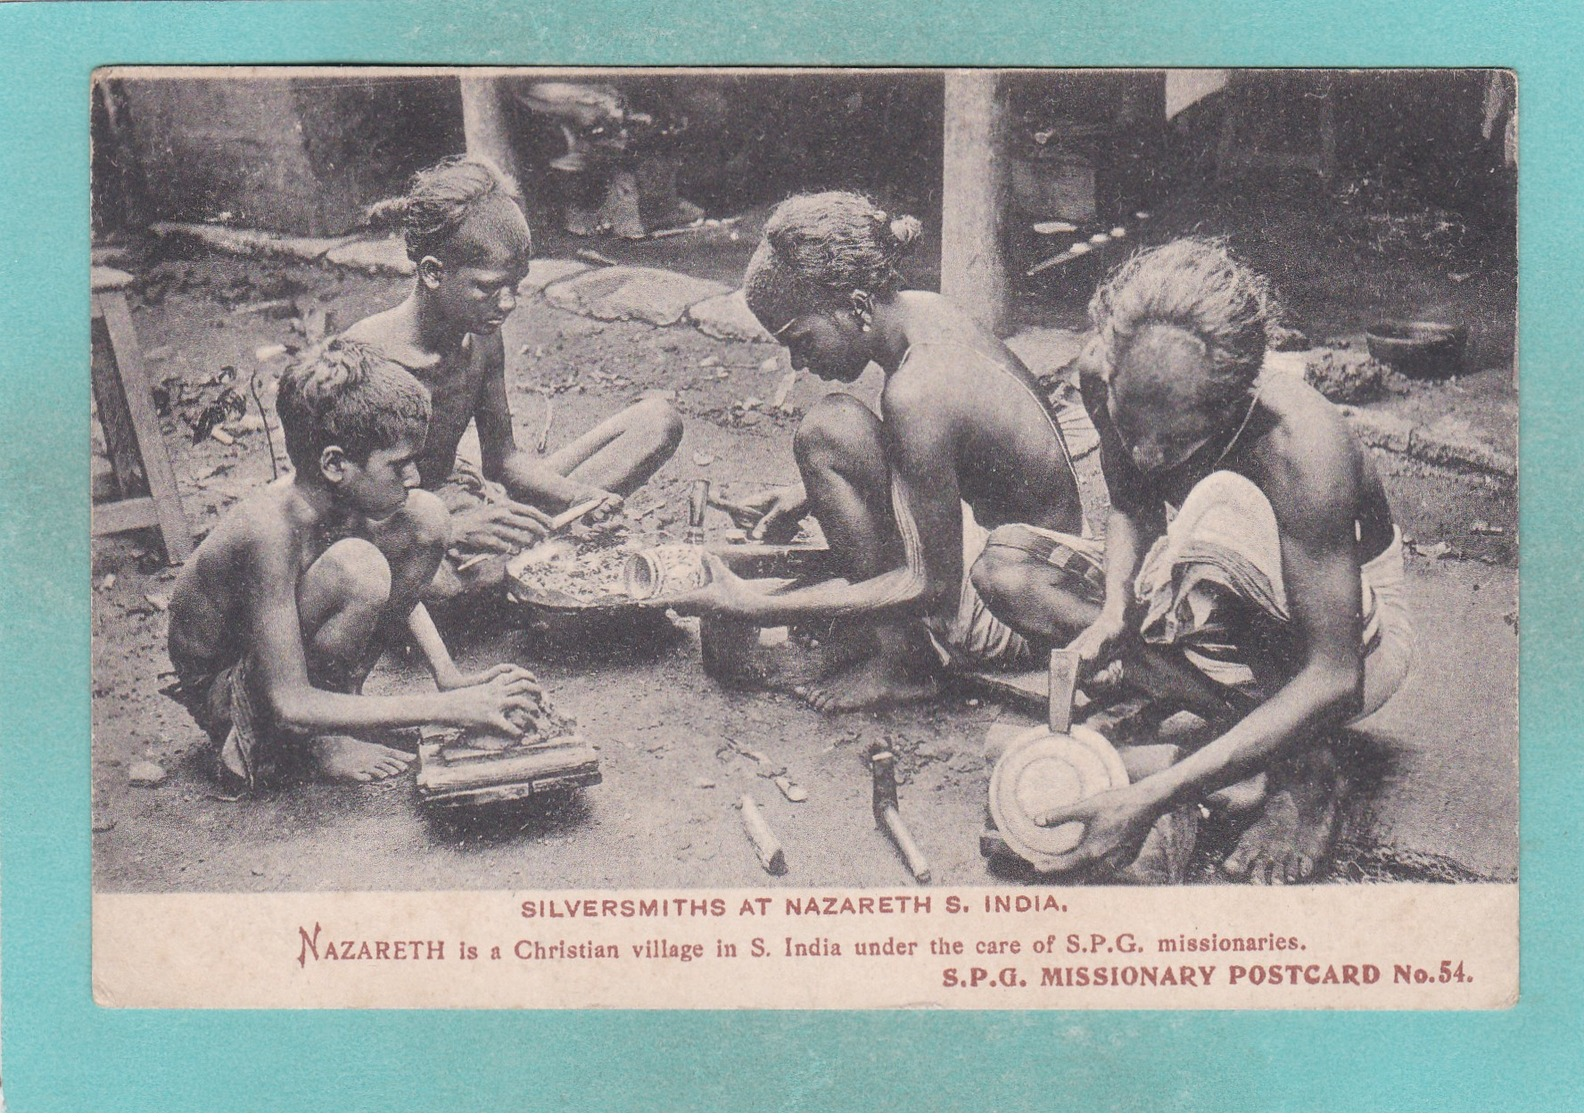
{"x": 804, "y": 538}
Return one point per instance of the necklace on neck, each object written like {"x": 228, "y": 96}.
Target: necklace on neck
{"x": 1237, "y": 434}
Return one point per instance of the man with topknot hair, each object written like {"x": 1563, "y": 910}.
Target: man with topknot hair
{"x": 906, "y": 493}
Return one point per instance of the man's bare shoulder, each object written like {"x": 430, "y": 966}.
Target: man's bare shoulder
{"x": 387, "y": 332}
{"x": 931, "y": 374}
{"x": 924, "y": 391}
{"x": 1309, "y": 457}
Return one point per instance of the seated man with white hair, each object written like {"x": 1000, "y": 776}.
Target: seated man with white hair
{"x": 1252, "y": 571}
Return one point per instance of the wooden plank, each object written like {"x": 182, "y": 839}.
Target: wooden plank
{"x": 128, "y": 358}
{"x": 975, "y": 175}
{"x": 124, "y": 515}
{"x": 126, "y": 464}
{"x": 436, "y": 776}
{"x": 103, "y": 278}
{"x": 1024, "y": 690}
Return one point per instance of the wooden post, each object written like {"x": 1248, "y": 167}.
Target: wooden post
{"x": 974, "y": 176}
{"x": 484, "y": 124}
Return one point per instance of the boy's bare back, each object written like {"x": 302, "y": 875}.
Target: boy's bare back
{"x": 271, "y": 533}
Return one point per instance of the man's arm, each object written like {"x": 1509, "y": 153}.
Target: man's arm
{"x": 447, "y": 676}
{"x": 442, "y": 668}
{"x": 274, "y": 639}
{"x": 1133, "y": 524}
{"x": 1314, "y": 506}
{"x": 526, "y": 477}
{"x": 928, "y": 511}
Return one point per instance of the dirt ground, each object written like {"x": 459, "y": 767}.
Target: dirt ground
{"x": 664, "y": 815}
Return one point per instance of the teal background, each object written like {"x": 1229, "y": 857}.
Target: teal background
{"x": 60, "y": 1051}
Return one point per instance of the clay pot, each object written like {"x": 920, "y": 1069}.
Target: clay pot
{"x": 1423, "y": 350}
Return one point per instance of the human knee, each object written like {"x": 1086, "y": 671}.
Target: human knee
{"x": 837, "y": 429}
{"x": 660, "y": 422}
{"x": 356, "y": 573}
{"x": 1000, "y": 576}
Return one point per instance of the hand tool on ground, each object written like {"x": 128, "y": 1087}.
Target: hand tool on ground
{"x": 698, "y": 503}
{"x": 765, "y": 843}
{"x": 888, "y": 815}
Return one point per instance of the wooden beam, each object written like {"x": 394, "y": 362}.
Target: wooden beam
{"x": 974, "y": 176}
{"x": 484, "y": 124}
{"x": 124, "y": 515}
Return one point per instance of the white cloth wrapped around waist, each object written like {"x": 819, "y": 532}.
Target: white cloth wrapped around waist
{"x": 1224, "y": 544}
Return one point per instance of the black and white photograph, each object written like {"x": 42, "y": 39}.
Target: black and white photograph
{"x": 799, "y": 479}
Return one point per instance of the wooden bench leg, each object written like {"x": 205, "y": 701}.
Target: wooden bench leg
{"x": 132, "y": 434}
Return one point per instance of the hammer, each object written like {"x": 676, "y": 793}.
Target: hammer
{"x": 698, "y": 502}
{"x": 888, "y": 815}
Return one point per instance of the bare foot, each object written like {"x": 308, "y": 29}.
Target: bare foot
{"x": 792, "y": 665}
{"x": 877, "y": 681}
{"x": 1290, "y": 839}
{"x": 349, "y": 760}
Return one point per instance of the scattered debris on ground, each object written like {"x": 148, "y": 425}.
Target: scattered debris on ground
{"x": 1349, "y": 377}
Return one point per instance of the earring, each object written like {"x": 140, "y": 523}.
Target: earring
{"x": 863, "y": 310}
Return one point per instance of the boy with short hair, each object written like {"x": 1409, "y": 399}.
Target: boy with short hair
{"x": 278, "y": 618}
{"x": 466, "y": 234}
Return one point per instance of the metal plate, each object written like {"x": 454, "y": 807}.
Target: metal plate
{"x": 1042, "y": 770}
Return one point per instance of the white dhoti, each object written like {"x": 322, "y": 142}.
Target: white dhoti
{"x": 1219, "y": 565}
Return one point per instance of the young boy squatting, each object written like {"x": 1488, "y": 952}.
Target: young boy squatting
{"x": 278, "y": 618}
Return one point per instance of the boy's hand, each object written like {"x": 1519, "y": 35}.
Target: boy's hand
{"x": 504, "y": 527}
{"x": 489, "y": 705}
{"x": 510, "y": 671}
{"x": 725, "y": 593}
{"x": 779, "y": 514}
{"x": 612, "y": 506}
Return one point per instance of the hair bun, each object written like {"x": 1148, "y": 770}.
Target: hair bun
{"x": 389, "y": 213}
{"x": 906, "y": 229}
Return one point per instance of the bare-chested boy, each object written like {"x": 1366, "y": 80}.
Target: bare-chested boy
{"x": 1249, "y": 538}
{"x": 278, "y": 618}
{"x": 466, "y": 233}
{"x": 964, "y": 441}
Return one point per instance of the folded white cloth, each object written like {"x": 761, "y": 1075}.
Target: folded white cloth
{"x": 1223, "y": 549}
